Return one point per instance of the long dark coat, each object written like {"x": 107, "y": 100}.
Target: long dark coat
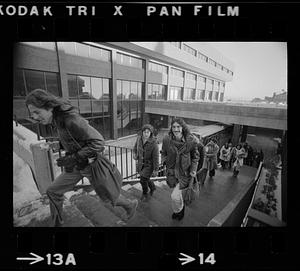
{"x": 81, "y": 139}
{"x": 180, "y": 162}
{"x": 147, "y": 156}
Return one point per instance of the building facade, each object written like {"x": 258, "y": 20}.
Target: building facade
{"x": 110, "y": 82}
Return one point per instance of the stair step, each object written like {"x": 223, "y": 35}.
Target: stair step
{"x": 72, "y": 217}
{"x": 192, "y": 215}
{"x": 154, "y": 209}
{"x": 96, "y": 212}
{"x": 139, "y": 219}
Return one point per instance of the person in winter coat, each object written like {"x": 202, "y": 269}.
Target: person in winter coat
{"x": 179, "y": 152}
{"x": 232, "y": 156}
{"x": 239, "y": 159}
{"x": 201, "y": 174}
{"x": 146, "y": 153}
{"x": 225, "y": 155}
{"x": 84, "y": 157}
{"x": 210, "y": 157}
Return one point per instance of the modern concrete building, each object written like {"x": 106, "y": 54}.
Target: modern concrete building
{"x": 110, "y": 82}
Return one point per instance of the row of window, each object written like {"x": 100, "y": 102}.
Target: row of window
{"x": 159, "y": 92}
{"x": 131, "y": 61}
{"x": 27, "y": 80}
{"x": 201, "y": 56}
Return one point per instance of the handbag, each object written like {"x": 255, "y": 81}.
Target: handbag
{"x": 106, "y": 177}
{"x": 192, "y": 192}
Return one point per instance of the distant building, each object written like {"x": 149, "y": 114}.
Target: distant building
{"x": 278, "y": 98}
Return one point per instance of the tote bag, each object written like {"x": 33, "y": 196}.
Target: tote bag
{"x": 190, "y": 193}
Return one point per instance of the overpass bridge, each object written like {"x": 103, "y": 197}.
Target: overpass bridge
{"x": 250, "y": 115}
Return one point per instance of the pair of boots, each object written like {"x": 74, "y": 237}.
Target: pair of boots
{"x": 129, "y": 205}
{"x": 235, "y": 172}
{"x": 178, "y": 215}
{"x": 145, "y": 184}
{"x": 212, "y": 173}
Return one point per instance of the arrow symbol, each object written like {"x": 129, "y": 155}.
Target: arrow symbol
{"x": 36, "y": 258}
{"x": 187, "y": 259}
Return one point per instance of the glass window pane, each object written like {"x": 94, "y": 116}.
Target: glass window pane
{"x": 97, "y": 107}
{"x": 119, "y": 89}
{"x": 96, "y": 84}
{"x": 149, "y": 91}
{"x": 82, "y": 50}
{"x": 133, "y": 95}
{"x": 72, "y": 86}
{"x": 105, "y": 83}
{"x": 139, "y": 90}
{"x": 125, "y": 90}
{"x": 34, "y": 80}
{"x": 19, "y": 86}
{"x": 85, "y": 107}
{"x": 52, "y": 83}
{"x": 84, "y": 87}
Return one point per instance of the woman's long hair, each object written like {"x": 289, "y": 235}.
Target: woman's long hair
{"x": 43, "y": 99}
{"x": 185, "y": 129}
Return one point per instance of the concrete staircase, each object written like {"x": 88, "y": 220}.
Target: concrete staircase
{"x": 85, "y": 209}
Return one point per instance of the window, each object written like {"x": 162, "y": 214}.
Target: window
{"x": 200, "y": 94}
{"x": 190, "y": 50}
{"x": 209, "y": 84}
{"x": 84, "y": 50}
{"x": 201, "y": 82}
{"x": 127, "y": 60}
{"x": 189, "y": 94}
{"x": 158, "y": 67}
{"x": 222, "y": 87}
{"x": 19, "y": 84}
{"x": 177, "y": 73}
{"x": 216, "y": 86}
{"x": 91, "y": 96}
{"x": 175, "y": 93}
{"x": 129, "y": 106}
{"x": 191, "y": 76}
{"x": 222, "y": 97}
{"x": 28, "y": 80}
{"x": 156, "y": 92}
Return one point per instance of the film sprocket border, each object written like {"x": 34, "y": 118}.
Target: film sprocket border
{"x": 120, "y": 248}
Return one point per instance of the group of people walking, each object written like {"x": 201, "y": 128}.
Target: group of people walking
{"x": 183, "y": 154}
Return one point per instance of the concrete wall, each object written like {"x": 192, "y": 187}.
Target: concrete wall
{"x": 275, "y": 118}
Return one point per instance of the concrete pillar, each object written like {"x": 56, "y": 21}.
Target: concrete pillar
{"x": 236, "y": 134}
{"x": 244, "y": 133}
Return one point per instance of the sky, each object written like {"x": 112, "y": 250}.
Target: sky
{"x": 260, "y": 68}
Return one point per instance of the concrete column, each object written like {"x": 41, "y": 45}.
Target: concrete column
{"x": 244, "y": 133}
{"x": 236, "y": 134}
{"x": 113, "y": 97}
